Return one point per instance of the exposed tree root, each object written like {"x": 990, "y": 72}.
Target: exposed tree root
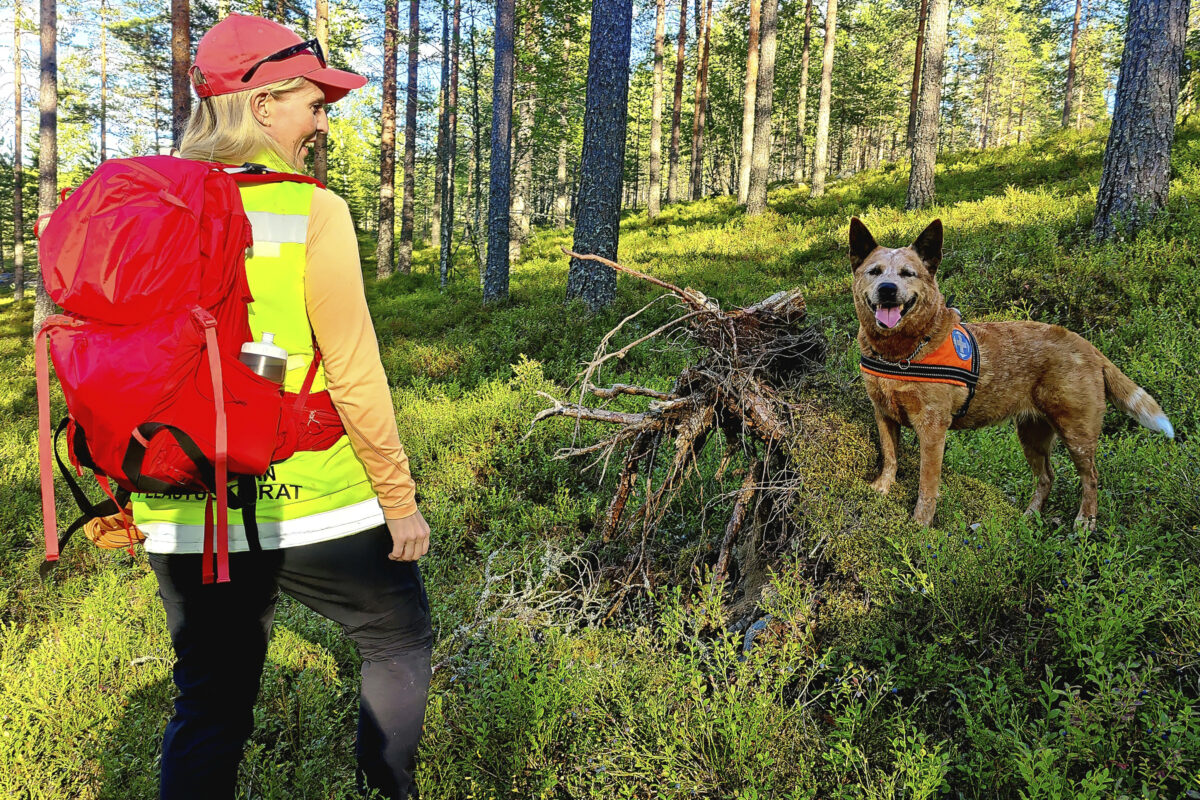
{"x": 749, "y": 354}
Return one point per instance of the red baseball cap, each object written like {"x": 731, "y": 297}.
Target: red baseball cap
{"x": 244, "y": 52}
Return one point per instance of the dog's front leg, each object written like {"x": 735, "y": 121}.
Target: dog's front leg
{"x": 932, "y": 436}
{"x": 889, "y": 447}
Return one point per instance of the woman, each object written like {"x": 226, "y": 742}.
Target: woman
{"x": 339, "y": 529}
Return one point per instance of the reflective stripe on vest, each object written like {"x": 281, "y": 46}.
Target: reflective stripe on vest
{"x": 312, "y": 496}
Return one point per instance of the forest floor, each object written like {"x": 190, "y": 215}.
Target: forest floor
{"x": 990, "y": 656}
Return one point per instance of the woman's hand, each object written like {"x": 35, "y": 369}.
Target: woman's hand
{"x": 410, "y": 537}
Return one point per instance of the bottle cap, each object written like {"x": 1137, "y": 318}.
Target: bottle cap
{"x": 266, "y": 347}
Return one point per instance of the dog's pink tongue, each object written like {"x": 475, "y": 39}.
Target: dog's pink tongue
{"x": 888, "y": 317}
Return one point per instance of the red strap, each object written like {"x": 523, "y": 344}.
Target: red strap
{"x": 222, "y": 451}
{"x": 206, "y": 561}
{"x": 45, "y": 444}
{"x": 308, "y": 379}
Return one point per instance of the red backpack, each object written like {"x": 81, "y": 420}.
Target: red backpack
{"x": 147, "y": 260}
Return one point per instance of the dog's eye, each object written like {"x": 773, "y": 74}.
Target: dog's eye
{"x": 875, "y": 271}
{"x": 907, "y": 273}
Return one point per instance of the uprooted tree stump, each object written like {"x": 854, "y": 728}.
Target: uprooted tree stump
{"x": 751, "y": 354}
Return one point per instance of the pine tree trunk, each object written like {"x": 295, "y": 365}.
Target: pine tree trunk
{"x": 984, "y": 118}
{"x": 562, "y": 202}
{"x": 477, "y": 180}
{"x": 181, "y": 61}
{"x": 1137, "y": 158}
{"x": 404, "y": 261}
{"x": 821, "y": 146}
{"x": 598, "y": 227}
{"x": 656, "y": 103}
{"x": 321, "y": 146}
{"x": 386, "y": 231}
{"x": 47, "y": 140}
{"x": 495, "y": 283}
{"x": 764, "y": 96}
{"x": 439, "y": 163}
{"x": 673, "y": 171}
{"x": 924, "y": 149}
{"x": 698, "y": 121}
{"x": 18, "y": 168}
{"x": 451, "y": 150}
{"x": 525, "y": 110}
{"x": 801, "y": 121}
{"x": 103, "y": 83}
{"x": 916, "y": 81}
{"x": 1066, "y": 116}
{"x": 748, "y": 106}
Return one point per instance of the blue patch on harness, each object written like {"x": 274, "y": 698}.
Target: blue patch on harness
{"x": 962, "y": 345}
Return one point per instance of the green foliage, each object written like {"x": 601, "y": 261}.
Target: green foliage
{"x": 991, "y": 656}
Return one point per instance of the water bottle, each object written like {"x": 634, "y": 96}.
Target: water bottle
{"x": 265, "y": 358}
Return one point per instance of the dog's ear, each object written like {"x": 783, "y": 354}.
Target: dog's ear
{"x": 929, "y": 245}
{"x": 861, "y": 242}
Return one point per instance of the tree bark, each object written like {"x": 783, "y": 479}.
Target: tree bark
{"x": 562, "y": 200}
{"x": 1066, "y": 115}
{"x": 1137, "y": 158}
{"x": 821, "y": 146}
{"x": 673, "y": 172}
{"x": 698, "y": 121}
{"x": 103, "y": 82}
{"x": 181, "y": 61}
{"x": 756, "y": 201}
{"x": 47, "y": 140}
{"x": 495, "y": 283}
{"x": 656, "y": 103}
{"x": 321, "y": 146}
{"x": 801, "y": 135}
{"x": 924, "y": 149}
{"x": 477, "y": 180}
{"x": 18, "y": 168}
{"x": 386, "y": 231}
{"x": 439, "y": 164}
{"x": 748, "y": 105}
{"x": 404, "y": 261}
{"x": 522, "y": 218}
{"x": 451, "y": 149}
{"x": 916, "y": 81}
{"x": 598, "y": 227}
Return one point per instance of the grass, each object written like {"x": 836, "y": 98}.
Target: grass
{"x": 989, "y": 656}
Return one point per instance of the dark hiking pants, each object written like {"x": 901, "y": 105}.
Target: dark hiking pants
{"x": 220, "y": 634}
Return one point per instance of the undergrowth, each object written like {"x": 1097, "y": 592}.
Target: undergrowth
{"x": 989, "y": 656}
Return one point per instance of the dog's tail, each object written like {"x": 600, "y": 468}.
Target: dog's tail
{"x": 1134, "y": 400}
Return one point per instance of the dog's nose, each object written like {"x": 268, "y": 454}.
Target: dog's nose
{"x": 887, "y": 292}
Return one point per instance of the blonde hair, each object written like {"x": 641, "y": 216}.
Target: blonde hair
{"x": 223, "y": 128}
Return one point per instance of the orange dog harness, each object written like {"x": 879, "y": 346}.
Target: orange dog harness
{"x": 954, "y": 361}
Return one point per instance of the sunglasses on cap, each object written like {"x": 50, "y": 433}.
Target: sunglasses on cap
{"x": 312, "y": 45}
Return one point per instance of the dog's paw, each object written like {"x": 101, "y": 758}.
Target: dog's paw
{"x": 1085, "y": 523}
{"x": 882, "y": 485}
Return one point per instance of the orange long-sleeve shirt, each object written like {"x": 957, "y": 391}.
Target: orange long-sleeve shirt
{"x": 337, "y": 310}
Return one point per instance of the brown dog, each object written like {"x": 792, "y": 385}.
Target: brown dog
{"x": 918, "y": 360}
